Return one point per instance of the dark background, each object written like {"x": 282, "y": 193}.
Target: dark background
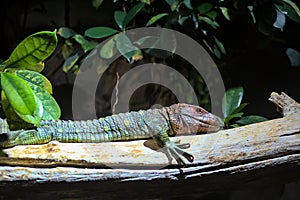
{"x": 255, "y": 61}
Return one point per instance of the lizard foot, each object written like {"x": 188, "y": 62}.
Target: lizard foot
{"x": 174, "y": 150}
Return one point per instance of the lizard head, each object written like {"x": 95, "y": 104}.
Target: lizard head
{"x": 186, "y": 118}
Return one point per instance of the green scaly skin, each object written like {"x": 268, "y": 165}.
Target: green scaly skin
{"x": 178, "y": 119}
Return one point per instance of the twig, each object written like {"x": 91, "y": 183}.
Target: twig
{"x": 117, "y": 93}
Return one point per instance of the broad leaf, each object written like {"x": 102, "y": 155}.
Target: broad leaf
{"x": 280, "y": 20}
{"x": 189, "y": 21}
{"x": 67, "y": 49}
{"x": 161, "y": 47}
{"x": 174, "y": 4}
{"x": 102, "y": 66}
{"x": 132, "y": 13}
{"x": 147, "y": 41}
{"x": 32, "y": 50}
{"x": 85, "y": 44}
{"x": 240, "y": 108}
{"x": 13, "y": 120}
{"x": 66, "y": 32}
{"x": 156, "y": 18}
{"x": 119, "y": 18}
{"x": 294, "y": 57}
{"x": 125, "y": 46}
{"x": 289, "y": 8}
{"x": 225, "y": 12}
{"x": 212, "y": 14}
{"x": 97, "y": 3}
{"x": 220, "y": 45}
{"x": 108, "y": 49}
{"x": 217, "y": 52}
{"x": 146, "y": 1}
{"x": 250, "y": 8}
{"x": 230, "y": 117}
{"x": 37, "y": 68}
{"x": 232, "y": 100}
{"x": 100, "y": 32}
{"x": 205, "y": 7}
{"x": 21, "y": 98}
{"x": 70, "y": 62}
{"x": 250, "y": 119}
{"x": 209, "y": 21}
{"x": 50, "y": 107}
{"x": 191, "y": 4}
{"x": 36, "y": 79}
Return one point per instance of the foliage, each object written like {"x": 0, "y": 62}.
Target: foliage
{"x": 25, "y": 93}
{"x": 232, "y": 109}
{"x": 199, "y": 19}
{"x": 202, "y": 20}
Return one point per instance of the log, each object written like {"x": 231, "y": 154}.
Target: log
{"x": 272, "y": 144}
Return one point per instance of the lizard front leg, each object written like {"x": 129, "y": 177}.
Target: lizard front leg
{"x": 173, "y": 149}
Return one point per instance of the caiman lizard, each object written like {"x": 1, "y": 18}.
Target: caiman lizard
{"x": 159, "y": 124}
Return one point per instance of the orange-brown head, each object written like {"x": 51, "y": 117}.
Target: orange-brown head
{"x": 188, "y": 119}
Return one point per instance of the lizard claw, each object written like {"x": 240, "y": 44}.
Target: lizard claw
{"x": 173, "y": 150}
{"x": 182, "y": 146}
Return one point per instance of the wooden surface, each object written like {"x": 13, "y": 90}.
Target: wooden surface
{"x": 264, "y": 145}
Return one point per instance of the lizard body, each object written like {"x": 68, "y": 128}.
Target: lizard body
{"x": 159, "y": 124}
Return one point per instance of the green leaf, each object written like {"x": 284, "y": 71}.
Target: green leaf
{"x": 156, "y": 18}
{"x": 102, "y": 66}
{"x": 250, "y": 119}
{"x": 119, "y": 18}
{"x": 13, "y": 120}
{"x": 165, "y": 41}
{"x": 220, "y": 45}
{"x": 232, "y": 100}
{"x": 240, "y": 108}
{"x": 37, "y": 68}
{"x": 146, "y": 1}
{"x": 294, "y": 57}
{"x": 174, "y": 4}
{"x": 191, "y": 4}
{"x": 289, "y": 8}
{"x": 32, "y": 50}
{"x": 85, "y": 44}
{"x": 67, "y": 49}
{"x": 217, "y": 52}
{"x": 234, "y": 125}
{"x": 205, "y": 7}
{"x": 70, "y": 62}
{"x": 132, "y": 13}
{"x": 280, "y": 20}
{"x": 66, "y": 32}
{"x": 97, "y": 3}
{"x": 50, "y": 106}
{"x": 225, "y": 12}
{"x": 147, "y": 41}
{"x": 209, "y": 21}
{"x": 232, "y": 116}
{"x": 100, "y": 32}
{"x": 212, "y": 14}
{"x": 189, "y": 21}
{"x": 250, "y": 8}
{"x": 108, "y": 49}
{"x": 125, "y": 46}
{"x": 35, "y": 78}
{"x": 21, "y": 98}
